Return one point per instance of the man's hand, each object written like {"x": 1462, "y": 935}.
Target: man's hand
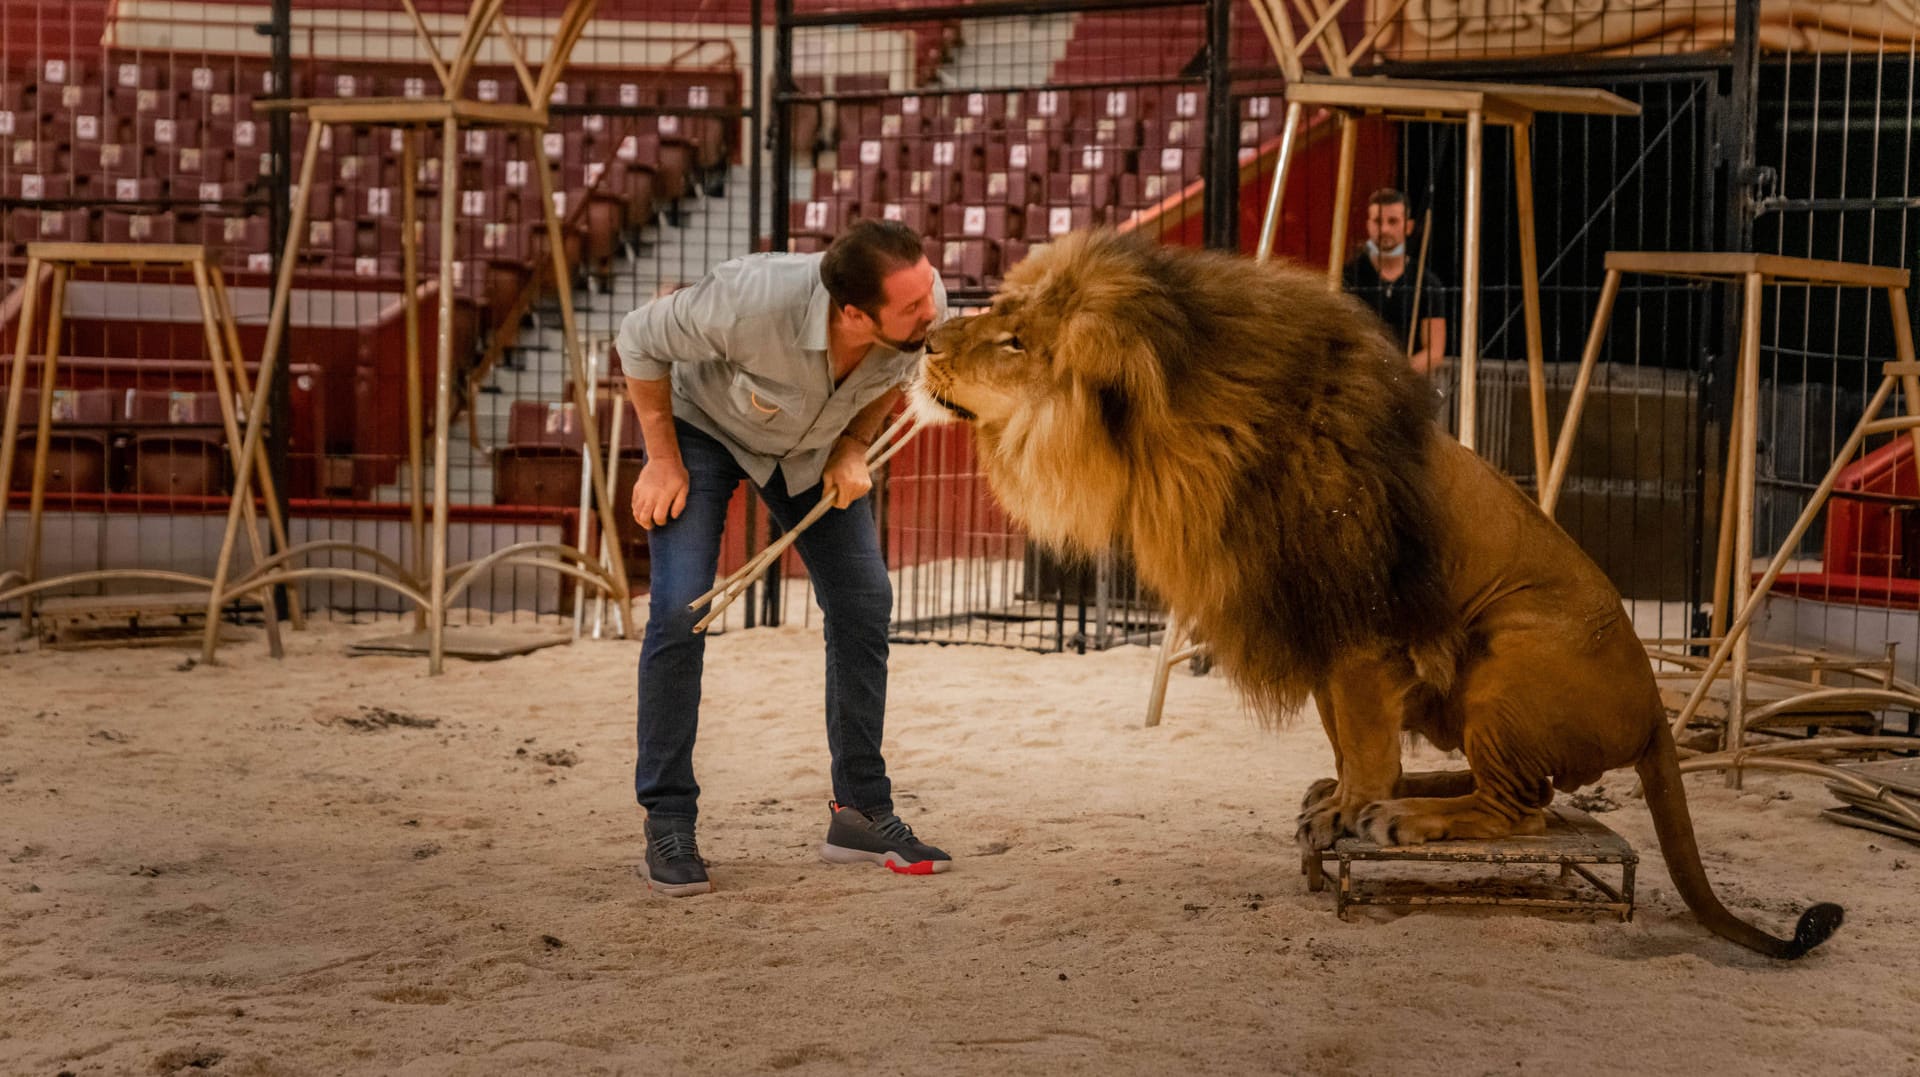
{"x": 847, "y": 475}
{"x": 660, "y": 493}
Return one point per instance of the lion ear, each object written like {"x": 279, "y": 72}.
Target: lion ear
{"x": 1101, "y": 350}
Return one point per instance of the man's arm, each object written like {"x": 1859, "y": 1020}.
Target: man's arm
{"x": 660, "y": 493}
{"x": 690, "y": 325}
{"x": 1431, "y": 355}
{"x": 847, "y": 473}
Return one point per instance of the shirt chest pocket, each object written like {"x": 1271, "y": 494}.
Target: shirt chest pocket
{"x": 770, "y": 408}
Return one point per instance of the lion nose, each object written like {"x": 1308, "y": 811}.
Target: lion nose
{"x": 937, "y": 340}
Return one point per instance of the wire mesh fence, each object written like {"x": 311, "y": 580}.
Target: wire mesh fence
{"x": 690, "y": 133}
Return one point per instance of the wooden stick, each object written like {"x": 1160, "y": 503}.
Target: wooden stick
{"x": 1420, "y": 279}
{"x": 1743, "y": 537}
{"x": 1279, "y": 29}
{"x": 1747, "y": 612}
{"x": 1328, "y": 12}
{"x": 257, "y": 415}
{"x": 766, "y": 558}
{"x": 1289, "y": 144}
{"x": 1569, "y": 426}
{"x": 583, "y": 525}
{"x": 427, "y": 42}
{"x": 876, "y": 453}
{"x": 17, "y": 385}
{"x": 1530, "y": 294}
{"x": 36, "y": 505}
{"x": 573, "y": 23}
{"x": 236, "y": 356}
{"x": 613, "y": 482}
{"x": 759, "y": 565}
{"x": 1903, "y": 350}
{"x": 1171, "y": 646}
{"x": 519, "y": 58}
{"x": 1342, "y": 198}
{"x": 1331, "y": 49}
{"x": 216, "y": 355}
{"x": 443, "y": 397}
{"x": 410, "y": 304}
{"x": 577, "y": 368}
{"x": 1373, "y": 36}
{"x": 1723, "y": 542}
{"x": 1470, "y": 288}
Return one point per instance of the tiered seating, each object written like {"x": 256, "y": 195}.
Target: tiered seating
{"x": 127, "y": 149}
{"x": 985, "y": 176}
{"x": 1155, "y": 44}
{"x": 540, "y": 463}
{"x": 126, "y": 441}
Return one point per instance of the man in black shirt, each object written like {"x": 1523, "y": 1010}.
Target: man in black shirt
{"x": 1382, "y": 275}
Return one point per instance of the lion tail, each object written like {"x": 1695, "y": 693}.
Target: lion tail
{"x": 1659, "y": 770}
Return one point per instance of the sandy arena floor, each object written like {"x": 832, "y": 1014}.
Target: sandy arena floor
{"x": 334, "y": 865}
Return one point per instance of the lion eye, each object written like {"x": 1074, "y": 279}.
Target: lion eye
{"x": 1012, "y": 343}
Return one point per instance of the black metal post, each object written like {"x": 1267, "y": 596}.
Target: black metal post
{"x": 279, "y": 31}
{"x": 782, "y": 118}
{"x": 1734, "y": 175}
{"x": 755, "y": 121}
{"x": 1222, "y": 163}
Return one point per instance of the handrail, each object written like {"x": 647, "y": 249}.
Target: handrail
{"x": 1180, "y": 205}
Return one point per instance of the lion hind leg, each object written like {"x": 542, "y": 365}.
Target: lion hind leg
{"x": 1413, "y": 820}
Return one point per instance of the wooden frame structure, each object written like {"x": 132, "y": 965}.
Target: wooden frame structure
{"x": 56, "y": 263}
{"x": 1474, "y": 104}
{"x": 1733, "y": 584}
{"x": 433, "y": 585}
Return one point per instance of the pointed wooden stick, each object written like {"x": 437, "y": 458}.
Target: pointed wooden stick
{"x": 736, "y": 585}
{"x": 756, "y": 563}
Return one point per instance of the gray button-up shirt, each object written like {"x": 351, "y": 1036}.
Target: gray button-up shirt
{"x": 747, "y": 350}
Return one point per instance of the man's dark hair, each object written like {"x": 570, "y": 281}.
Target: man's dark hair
{"x": 1388, "y": 196}
{"x": 861, "y": 259}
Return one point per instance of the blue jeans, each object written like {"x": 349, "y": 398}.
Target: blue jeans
{"x": 842, "y": 554}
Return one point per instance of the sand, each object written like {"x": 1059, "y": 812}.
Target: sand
{"x": 335, "y": 865}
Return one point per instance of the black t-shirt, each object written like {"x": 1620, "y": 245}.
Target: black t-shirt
{"x": 1393, "y": 300}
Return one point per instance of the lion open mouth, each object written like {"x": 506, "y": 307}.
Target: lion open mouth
{"x": 951, "y": 406}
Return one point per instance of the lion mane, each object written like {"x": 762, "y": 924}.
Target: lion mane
{"x": 1251, "y": 441}
{"x": 1266, "y": 458}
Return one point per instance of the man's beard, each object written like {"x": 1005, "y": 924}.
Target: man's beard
{"x": 916, "y": 344}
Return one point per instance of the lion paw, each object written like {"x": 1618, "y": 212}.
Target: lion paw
{"x": 1319, "y": 827}
{"x": 1380, "y": 823}
{"x": 1318, "y": 793}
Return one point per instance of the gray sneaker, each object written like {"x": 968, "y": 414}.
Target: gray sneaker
{"x": 853, "y": 837}
{"x": 673, "y": 866}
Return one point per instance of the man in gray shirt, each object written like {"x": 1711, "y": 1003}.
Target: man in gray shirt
{"x": 779, "y": 369}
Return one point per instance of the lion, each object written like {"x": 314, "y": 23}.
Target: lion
{"x": 1266, "y": 458}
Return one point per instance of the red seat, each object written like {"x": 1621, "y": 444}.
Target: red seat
{"x": 970, "y": 262}
{"x": 188, "y": 461}
{"x": 72, "y": 100}
{"x": 121, "y": 227}
{"x": 35, "y": 186}
{"x": 136, "y": 76}
{"x": 962, "y": 221}
{"x": 912, "y": 214}
{"x": 43, "y": 225}
{"x": 76, "y": 441}
{"x": 540, "y": 464}
{"x": 1043, "y": 223}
